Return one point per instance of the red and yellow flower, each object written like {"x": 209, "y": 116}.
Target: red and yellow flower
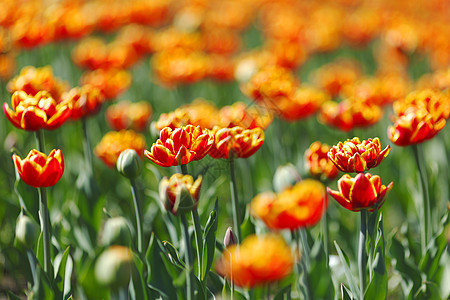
{"x": 127, "y": 115}
{"x": 257, "y": 261}
{"x": 40, "y": 170}
{"x": 111, "y": 82}
{"x": 36, "y": 112}
{"x": 180, "y": 146}
{"x": 318, "y": 163}
{"x": 236, "y": 142}
{"x": 299, "y": 206}
{"x": 356, "y": 156}
{"x": 114, "y": 142}
{"x": 83, "y": 101}
{"x": 362, "y": 192}
{"x": 180, "y": 193}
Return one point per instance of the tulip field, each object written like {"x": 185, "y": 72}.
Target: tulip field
{"x": 224, "y": 149}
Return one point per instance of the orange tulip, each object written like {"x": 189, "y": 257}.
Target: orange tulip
{"x": 434, "y": 102}
{"x": 318, "y": 162}
{"x": 257, "y": 261}
{"x": 414, "y": 126}
{"x": 354, "y": 156}
{"x": 180, "y": 146}
{"x": 83, "y": 101}
{"x": 127, "y": 115}
{"x": 236, "y": 142}
{"x": 111, "y": 82}
{"x": 114, "y": 142}
{"x": 362, "y": 192}
{"x": 36, "y": 112}
{"x": 299, "y": 206}
{"x": 180, "y": 193}
{"x": 38, "y": 170}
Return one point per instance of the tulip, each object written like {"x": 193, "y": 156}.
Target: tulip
{"x": 236, "y": 142}
{"x": 83, "y": 101}
{"x": 180, "y": 193}
{"x": 38, "y": 170}
{"x": 180, "y": 146}
{"x": 362, "y": 192}
{"x": 354, "y": 156}
{"x": 318, "y": 162}
{"x": 258, "y": 260}
{"x": 36, "y": 112}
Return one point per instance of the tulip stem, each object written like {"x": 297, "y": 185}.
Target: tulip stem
{"x": 362, "y": 255}
{"x": 184, "y": 169}
{"x": 138, "y": 212}
{"x": 188, "y": 256}
{"x": 45, "y": 228}
{"x": 235, "y": 201}
{"x": 86, "y": 146}
{"x": 198, "y": 239}
{"x": 426, "y": 228}
{"x": 40, "y": 140}
{"x": 325, "y": 237}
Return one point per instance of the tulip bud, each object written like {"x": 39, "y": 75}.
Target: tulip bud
{"x": 229, "y": 239}
{"x": 129, "y": 164}
{"x": 285, "y": 176}
{"x": 26, "y": 231}
{"x": 113, "y": 267}
{"x": 179, "y": 193}
{"x": 116, "y": 232}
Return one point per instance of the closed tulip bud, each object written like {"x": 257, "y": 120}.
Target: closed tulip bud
{"x": 180, "y": 192}
{"x": 285, "y": 176}
{"x": 129, "y": 164}
{"x": 116, "y": 232}
{"x": 113, "y": 267}
{"x": 230, "y": 238}
{"x": 27, "y": 231}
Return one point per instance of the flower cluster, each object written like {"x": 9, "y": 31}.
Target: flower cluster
{"x": 128, "y": 115}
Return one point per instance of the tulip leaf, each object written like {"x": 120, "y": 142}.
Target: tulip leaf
{"x": 138, "y": 288}
{"x": 40, "y": 249}
{"x": 209, "y": 238}
{"x": 284, "y": 293}
{"x": 158, "y": 278}
{"x": 41, "y": 288}
{"x": 345, "y": 293}
{"x": 63, "y": 265}
{"x": 348, "y": 274}
{"x": 12, "y": 296}
{"x": 319, "y": 277}
{"x": 247, "y": 227}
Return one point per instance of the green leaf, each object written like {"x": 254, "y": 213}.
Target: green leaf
{"x": 158, "y": 279}
{"x": 172, "y": 254}
{"x": 12, "y": 296}
{"x": 377, "y": 288}
{"x": 247, "y": 227}
{"x": 348, "y": 274}
{"x": 319, "y": 277}
{"x": 63, "y": 265}
{"x": 138, "y": 287}
{"x": 41, "y": 288}
{"x": 345, "y": 293}
{"x": 283, "y": 294}
{"x": 40, "y": 249}
{"x": 209, "y": 238}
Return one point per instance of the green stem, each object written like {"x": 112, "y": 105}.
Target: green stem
{"x": 426, "y": 218}
{"x": 362, "y": 255}
{"x": 86, "y": 146}
{"x": 40, "y": 140}
{"x": 184, "y": 169}
{"x": 198, "y": 238}
{"x": 188, "y": 256}
{"x": 235, "y": 201}
{"x": 324, "y": 227}
{"x": 45, "y": 228}
{"x": 138, "y": 212}
{"x": 305, "y": 260}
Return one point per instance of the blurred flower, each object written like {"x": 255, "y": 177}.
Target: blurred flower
{"x": 111, "y": 82}
{"x": 438, "y": 80}
{"x": 27, "y": 231}
{"x": 83, "y": 101}
{"x": 257, "y": 261}
{"x": 220, "y": 41}
{"x": 229, "y": 14}
{"x": 179, "y": 66}
{"x": 220, "y": 67}
{"x": 436, "y": 103}
{"x": 356, "y": 156}
{"x": 151, "y": 13}
{"x": 180, "y": 146}
{"x": 114, "y": 142}
{"x": 175, "y": 119}
{"x": 38, "y": 170}
{"x": 333, "y": 76}
{"x": 286, "y": 54}
{"x": 90, "y": 53}
{"x": 285, "y": 177}
{"x": 128, "y": 115}
{"x": 361, "y": 26}
{"x": 201, "y": 113}
{"x": 172, "y": 38}
{"x": 236, "y": 142}
{"x": 36, "y": 112}
{"x": 30, "y": 32}
{"x": 114, "y": 266}
{"x": 116, "y": 232}
{"x": 414, "y": 126}
{"x": 303, "y": 103}
{"x": 299, "y": 206}
{"x": 350, "y": 113}
{"x": 248, "y": 117}
{"x": 362, "y": 192}
{"x": 7, "y": 65}
{"x": 180, "y": 193}
{"x": 318, "y": 163}
{"x": 32, "y": 80}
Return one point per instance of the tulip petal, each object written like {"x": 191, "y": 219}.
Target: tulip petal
{"x": 363, "y": 193}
